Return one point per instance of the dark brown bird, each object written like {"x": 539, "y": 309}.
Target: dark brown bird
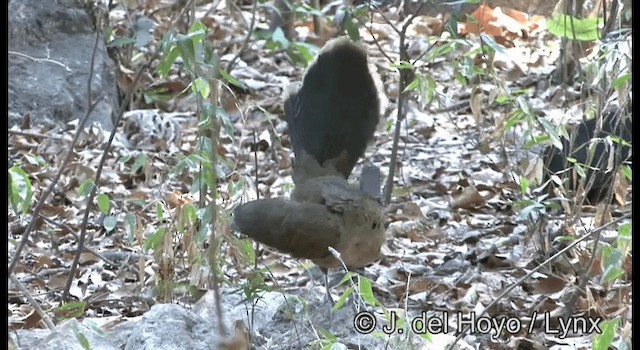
{"x": 331, "y": 118}
{"x": 599, "y": 161}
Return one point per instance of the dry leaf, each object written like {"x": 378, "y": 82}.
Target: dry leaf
{"x": 468, "y": 198}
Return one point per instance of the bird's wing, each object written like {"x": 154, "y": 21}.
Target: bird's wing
{"x": 301, "y": 229}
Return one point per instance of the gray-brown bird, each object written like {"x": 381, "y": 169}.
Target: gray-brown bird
{"x": 332, "y": 119}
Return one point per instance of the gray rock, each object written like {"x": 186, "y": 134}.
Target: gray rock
{"x": 285, "y": 321}
{"x": 69, "y": 335}
{"x": 169, "y": 326}
{"x": 50, "y": 48}
{"x": 275, "y": 320}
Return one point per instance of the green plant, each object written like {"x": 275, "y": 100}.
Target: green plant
{"x": 613, "y": 260}
{"x": 583, "y": 29}
{"x": 20, "y": 190}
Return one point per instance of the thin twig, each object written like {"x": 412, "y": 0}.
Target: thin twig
{"x": 68, "y": 228}
{"x": 247, "y": 38}
{"x": 536, "y": 269}
{"x": 49, "y": 190}
{"x": 36, "y": 135}
{"x": 43, "y": 274}
{"x": 107, "y": 147}
{"x": 212, "y": 206}
{"x": 80, "y": 243}
{"x": 400, "y": 116}
{"x": 255, "y": 166}
{"x": 375, "y": 41}
{"x": 46, "y": 60}
{"x": 33, "y": 302}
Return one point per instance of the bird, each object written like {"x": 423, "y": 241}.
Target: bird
{"x": 595, "y": 160}
{"x": 332, "y": 117}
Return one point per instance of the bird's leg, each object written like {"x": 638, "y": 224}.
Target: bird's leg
{"x": 326, "y": 286}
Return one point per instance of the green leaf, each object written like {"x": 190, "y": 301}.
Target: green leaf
{"x": 441, "y": 50}
{"x": 198, "y": 29}
{"x": 623, "y": 79}
{"x": 302, "y": 52}
{"x": 366, "y": 291}
{"x": 190, "y": 212}
{"x": 187, "y": 52}
{"x": 624, "y": 237}
{"x": 130, "y": 219}
{"x": 626, "y": 171}
{"x": 141, "y": 160}
{"x": 201, "y": 86}
{"x": 110, "y": 223}
{"x": 35, "y": 159}
{"x": 414, "y": 85}
{"x": 579, "y": 169}
{"x": 524, "y": 185}
{"x": 611, "y": 274}
{"x": 167, "y": 62}
{"x": 85, "y": 188}
{"x": 452, "y": 27}
{"x": 351, "y": 27}
{"x": 94, "y": 327}
{"x": 103, "y": 203}
{"x": 71, "y": 310}
{"x": 550, "y": 130}
{"x": 139, "y": 202}
{"x": 20, "y": 190}
{"x": 342, "y": 299}
{"x": 82, "y": 339}
{"x": 346, "y": 278}
{"x": 403, "y": 65}
{"x": 609, "y": 329}
{"x": 196, "y": 185}
{"x": 280, "y": 38}
{"x": 619, "y": 140}
{"x": 327, "y": 335}
{"x": 226, "y": 122}
{"x": 563, "y": 239}
{"x": 245, "y": 247}
{"x": 426, "y": 336}
{"x": 231, "y": 80}
{"x": 154, "y": 240}
{"x": 537, "y": 140}
{"x": 121, "y": 41}
{"x": 524, "y": 109}
{"x": 488, "y": 40}
{"x": 612, "y": 261}
{"x": 159, "y": 212}
{"x": 582, "y": 29}
{"x": 389, "y": 124}
{"x": 527, "y": 211}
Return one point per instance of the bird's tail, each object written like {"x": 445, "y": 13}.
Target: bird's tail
{"x": 333, "y": 116}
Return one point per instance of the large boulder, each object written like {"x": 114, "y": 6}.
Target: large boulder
{"x": 50, "y": 49}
